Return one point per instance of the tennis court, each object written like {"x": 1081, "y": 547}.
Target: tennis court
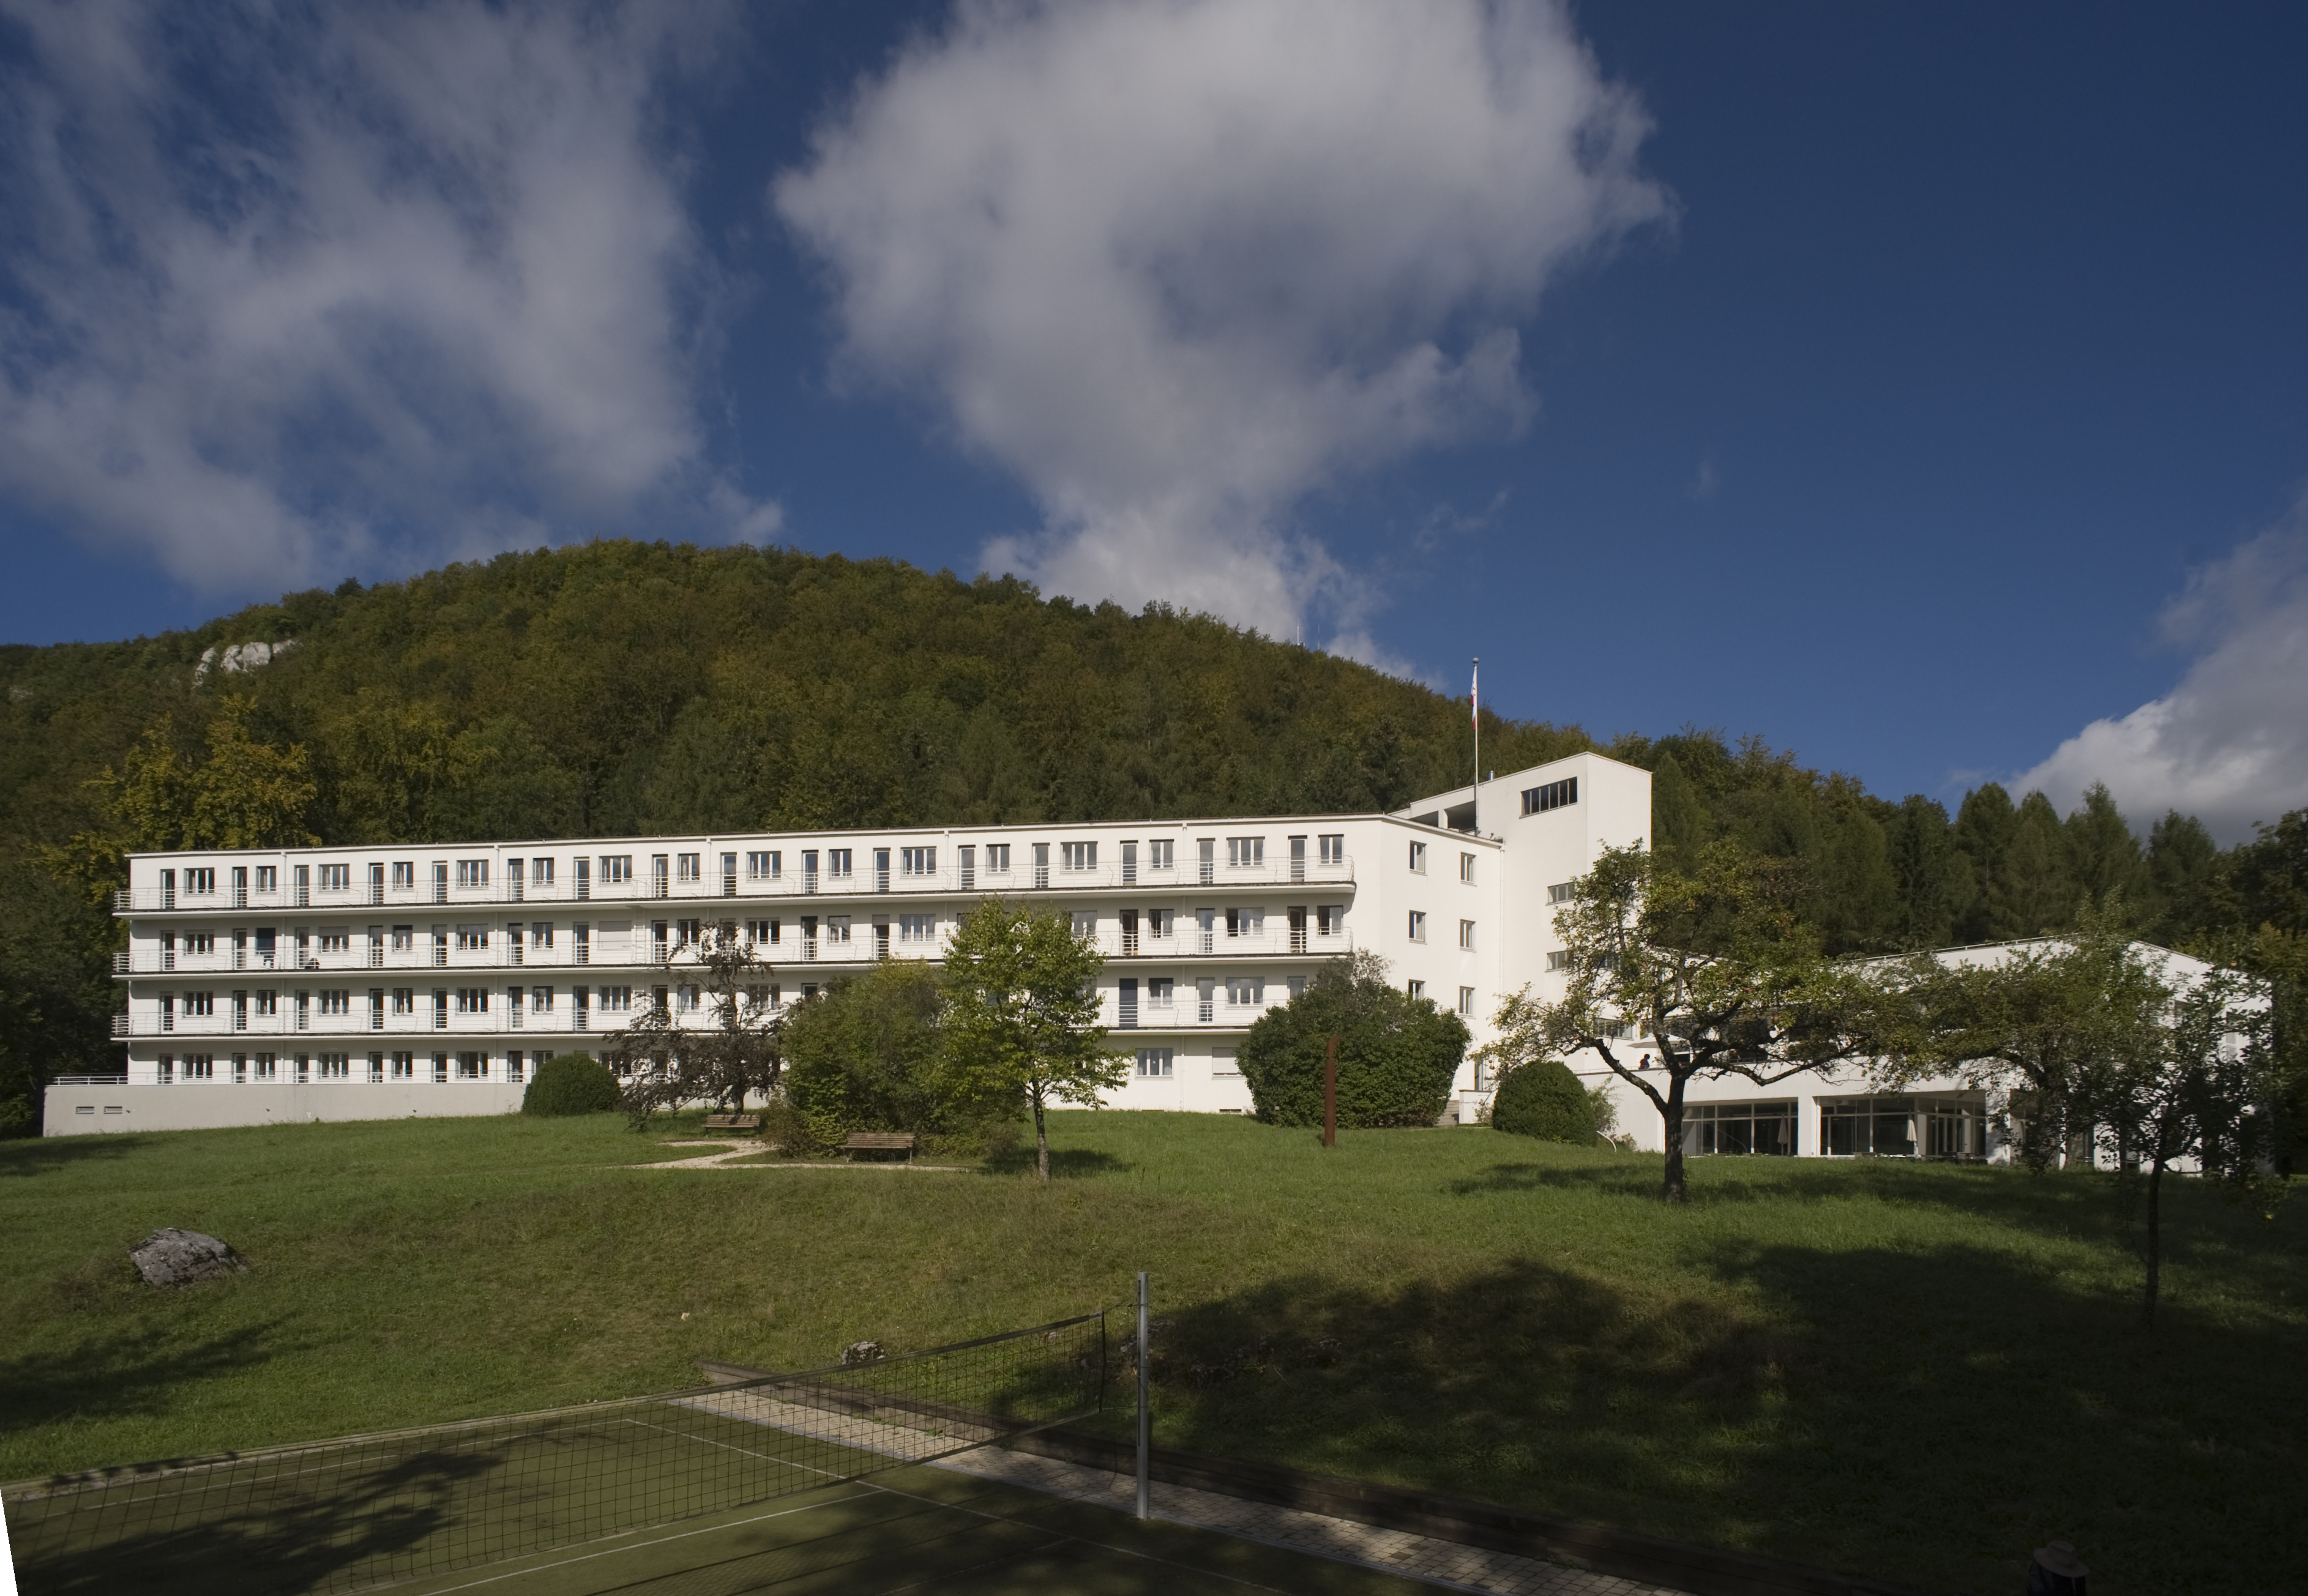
{"x": 815, "y": 1482}
{"x": 922, "y": 1530}
{"x": 696, "y": 1495}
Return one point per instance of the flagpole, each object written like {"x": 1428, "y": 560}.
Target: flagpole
{"x": 1474, "y": 711}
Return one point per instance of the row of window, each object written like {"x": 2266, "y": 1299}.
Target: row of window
{"x": 1466, "y": 1004}
{"x": 1159, "y": 992}
{"x": 616, "y": 870}
{"x": 1418, "y": 929}
{"x": 1855, "y": 1127}
{"x": 1418, "y": 863}
{"x": 262, "y": 1068}
{"x": 912, "y": 929}
{"x": 1327, "y": 919}
{"x": 1555, "y": 795}
{"x": 1160, "y": 1063}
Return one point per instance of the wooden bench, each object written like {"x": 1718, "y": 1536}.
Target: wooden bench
{"x": 879, "y": 1141}
{"x": 733, "y": 1121}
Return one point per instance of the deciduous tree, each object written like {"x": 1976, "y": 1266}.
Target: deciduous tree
{"x": 2188, "y": 1078}
{"x": 736, "y": 1051}
{"x": 1021, "y": 1014}
{"x": 1712, "y": 970}
{"x": 2040, "y": 1019}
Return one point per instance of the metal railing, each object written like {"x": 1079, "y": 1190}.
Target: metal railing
{"x": 1185, "y": 1014}
{"x": 710, "y": 887}
{"x": 861, "y": 947}
{"x": 423, "y": 1021}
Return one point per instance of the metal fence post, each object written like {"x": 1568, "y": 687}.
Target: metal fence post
{"x": 1331, "y": 1093}
{"x": 1145, "y": 1413}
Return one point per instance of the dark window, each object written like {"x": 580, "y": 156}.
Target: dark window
{"x": 1555, "y": 795}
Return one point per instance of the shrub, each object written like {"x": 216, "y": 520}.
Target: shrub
{"x": 1397, "y": 1054}
{"x": 1544, "y": 1099}
{"x": 570, "y": 1084}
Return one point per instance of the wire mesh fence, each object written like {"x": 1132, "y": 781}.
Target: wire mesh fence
{"x": 373, "y": 1510}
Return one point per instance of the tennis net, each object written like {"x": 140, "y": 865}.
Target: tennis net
{"x": 370, "y": 1510}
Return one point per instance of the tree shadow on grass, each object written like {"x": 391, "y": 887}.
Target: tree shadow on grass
{"x": 1066, "y": 1163}
{"x": 1924, "y": 1416}
{"x": 124, "y": 1374}
{"x": 45, "y": 1155}
{"x": 2063, "y": 1201}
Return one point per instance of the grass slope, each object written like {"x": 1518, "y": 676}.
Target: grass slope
{"x": 1916, "y": 1372}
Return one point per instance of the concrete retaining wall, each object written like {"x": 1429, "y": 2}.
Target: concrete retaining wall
{"x": 90, "y": 1110}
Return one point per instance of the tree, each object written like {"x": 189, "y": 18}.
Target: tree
{"x": 2042, "y": 1020}
{"x": 246, "y": 795}
{"x": 1680, "y": 825}
{"x": 2280, "y": 960}
{"x": 2182, "y": 864}
{"x": 868, "y": 1053}
{"x": 1715, "y": 966}
{"x": 2035, "y": 893}
{"x": 664, "y": 1063}
{"x": 1984, "y": 829}
{"x": 1021, "y": 1014}
{"x": 2267, "y": 879}
{"x": 1397, "y": 1053}
{"x": 1935, "y": 885}
{"x": 1857, "y": 907}
{"x": 2187, "y": 1078}
{"x": 2102, "y": 855}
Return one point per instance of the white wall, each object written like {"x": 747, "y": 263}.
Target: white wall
{"x": 90, "y": 1110}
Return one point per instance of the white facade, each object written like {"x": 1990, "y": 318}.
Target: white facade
{"x": 456, "y": 966}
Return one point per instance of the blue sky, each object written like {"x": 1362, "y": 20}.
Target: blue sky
{"x": 1918, "y": 388}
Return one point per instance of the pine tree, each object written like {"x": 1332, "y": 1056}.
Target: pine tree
{"x": 2035, "y": 893}
{"x": 1933, "y": 880}
{"x": 2102, "y": 855}
{"x": 1984, "y": 827}
{"x": 2182, "y": 866}
{"x": 1857, "y": 890}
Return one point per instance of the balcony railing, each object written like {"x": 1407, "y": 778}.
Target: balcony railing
{"x": 861, "y": 947}
{"x": 324, "y": 1031}
{"x": 423, "y": 1021}
{"x": 710, "y": 888}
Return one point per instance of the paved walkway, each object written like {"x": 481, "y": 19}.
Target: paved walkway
{"x": 1392, "y": 1551}
{"x": 751, "y": 1147}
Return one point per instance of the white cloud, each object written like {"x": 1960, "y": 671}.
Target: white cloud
{"x": 2229, "y": 744}
{"x": 1174, "y": 262}
{"x": 291, "y": 293}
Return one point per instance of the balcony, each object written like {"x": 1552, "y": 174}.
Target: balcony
{"x": 861, "y": 947}
{"x": 1188, "y": 1015}
{"x": 333, "y": 1031}
{"x": 866, "y": 881}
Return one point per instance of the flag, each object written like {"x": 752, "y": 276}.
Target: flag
{"x": 1474, "y": 685}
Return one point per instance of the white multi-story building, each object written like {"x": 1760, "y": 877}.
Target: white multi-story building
{"x": 376, "y": 981}
{"x": 367, "y": 982}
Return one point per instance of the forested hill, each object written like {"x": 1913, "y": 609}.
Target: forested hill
{"x": 628, "y": 687}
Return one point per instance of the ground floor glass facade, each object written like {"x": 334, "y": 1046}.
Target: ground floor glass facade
{"x": 1762, "y": 1127}
{"x": 1943, "y": 1127}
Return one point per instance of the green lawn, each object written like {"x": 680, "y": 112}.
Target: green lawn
{"x": 1916, "y": 1372}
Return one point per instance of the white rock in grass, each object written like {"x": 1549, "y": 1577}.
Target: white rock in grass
{"x": 863, "y": 1352}
{"x": 174, "y": 1258}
